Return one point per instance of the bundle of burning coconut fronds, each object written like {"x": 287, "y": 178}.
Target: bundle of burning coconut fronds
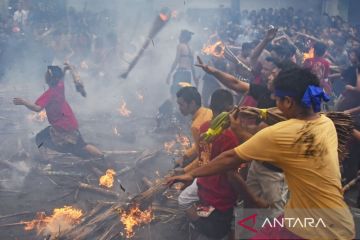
{"x": 106, "y": 220}
{"x": 343, "y": 122}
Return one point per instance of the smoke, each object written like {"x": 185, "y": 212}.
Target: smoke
{"x": 16, "y": 175}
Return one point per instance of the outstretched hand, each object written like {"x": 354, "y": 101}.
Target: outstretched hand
{"x": 235, "y": 122}
{"x": 271, "y": 33}
{"x": 205, "y": 67}
{"x": 19, "y": 101}
{"x": 185, "y": 178}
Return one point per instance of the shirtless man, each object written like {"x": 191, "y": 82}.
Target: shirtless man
{"x": 183, "y": 63}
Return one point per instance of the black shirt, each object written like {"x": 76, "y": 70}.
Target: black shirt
{"x": 349, "y": 76}
{"x": 262, "y": 95}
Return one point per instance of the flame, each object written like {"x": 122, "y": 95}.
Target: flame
{"x": 184, "y": 84}
{"x": 309, "y": 54}
{"x": 168, "y": 146}
{"x": 174, "y": 14}
{"x": 163, "y": 17}
{"x": 183, "y": 140}
{"x": 84, "y": 65}
{"x": 62, "y": 219}
{"x": 134, "y": 217}
{"x": 217, "y": 49}
{"x": 38, "y": 117}
{"x": 108, "y": 179}
{"x": 124, "y": 111}
{"x": 178, "y": 186}
{"x": 139, "y": 96}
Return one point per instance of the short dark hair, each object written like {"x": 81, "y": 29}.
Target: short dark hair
{"x": 189, "y": 94}
{"x": 319, "y": 49}
{"x": 295, "y": 80}
{"x": 221, "y": 99}
{"x": 55, "y": 74}
{"x": 185, "y": 36}
{"x": 283, "y": 65}
{"x": 284, "y": 50}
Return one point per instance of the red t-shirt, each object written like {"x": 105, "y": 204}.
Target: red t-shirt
{"x": 216, "y": 190}
{"x": 57, "y": 109}
{"x": 321, "y": 68}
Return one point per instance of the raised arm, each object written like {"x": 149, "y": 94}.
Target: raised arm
{"x": 270, "y": 35}
{"x": 228, "y": 80}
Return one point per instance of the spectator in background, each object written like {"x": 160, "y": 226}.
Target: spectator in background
{"x": 320, "y": 66}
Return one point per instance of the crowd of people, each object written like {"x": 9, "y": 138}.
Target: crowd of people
{"x": 53, "y": 33}
{"x": 301, "y": 62}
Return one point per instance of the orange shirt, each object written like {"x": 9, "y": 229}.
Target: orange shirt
{"x": 201, "y": 116}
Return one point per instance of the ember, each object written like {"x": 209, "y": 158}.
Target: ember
{"x": 139, "y": 96}
{"x": 217, "y": 49}
{"x": 84, "y": 65}
{"x": 163, "y": 17}
{"x": 309, "y": 54}
{"x": 183, "y": 140}
{"x": 62, "y": 218}
{"x": 38, "y": 117}
{"x": 124, "y": 111}
{"x": 168, "y": 146}
{"x": 108, "y": 179}
{"x": 174, "y": 14}
{"x": 135, "y": 217}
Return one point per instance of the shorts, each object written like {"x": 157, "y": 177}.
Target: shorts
{"x": 188, "y": 196}
{"x": 269, "y": 185}
{"x": 217, "y": 225}
{"x": 181, "y": 75}
{"x": 62, "y": 141}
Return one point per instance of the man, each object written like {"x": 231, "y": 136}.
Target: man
{"x": 264, "y": 179}
{"x": 350, "y": 98}
{"x": 217, "y": 193}
{"x": 305, "y": 147}
{"x": 214, "y": 193}
{"x": 62, "y": 135}
{"x": 319, "y": 66}
{"x": 260, "y": 93}
{"x": 189, "y": 102}
{"x": 183, "y": 63}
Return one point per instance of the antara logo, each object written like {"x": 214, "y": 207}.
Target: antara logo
{"x": 253, "y": 218}
{"x": 294, "y": 222}
{"x": 274, "y": 223}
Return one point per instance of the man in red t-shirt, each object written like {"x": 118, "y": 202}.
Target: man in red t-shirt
{"x": 216, "y": 194}
{"x": 62, "y": 135}
{"x": 319, "y": 66}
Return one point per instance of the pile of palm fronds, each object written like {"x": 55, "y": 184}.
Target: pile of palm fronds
{"x": 343, "y": 122}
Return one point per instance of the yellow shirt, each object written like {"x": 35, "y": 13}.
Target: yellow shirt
{"x": 307, "y": 152}
{"x": 201, "y": 116}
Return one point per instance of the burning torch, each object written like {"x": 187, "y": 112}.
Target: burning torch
{"x": 159, "y": 23}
